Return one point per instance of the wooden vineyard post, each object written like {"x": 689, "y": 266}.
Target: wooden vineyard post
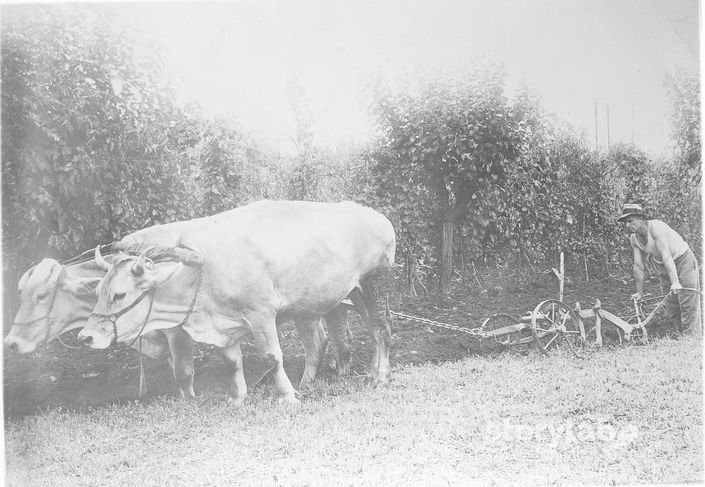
{"x": 561, "y": 278}
{"x": 598, "y": 323}
{"x": 581, "y": 323}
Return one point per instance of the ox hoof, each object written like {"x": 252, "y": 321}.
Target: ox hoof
{"x": 236, "y": 401}
{"x": 380, "y": 382}
{"x": 289, "y": 401}
{"x": 306, "y": 382}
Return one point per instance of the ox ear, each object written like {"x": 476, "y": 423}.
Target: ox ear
{"x": 57, "y": 272}
{"x": 82, "y": 287}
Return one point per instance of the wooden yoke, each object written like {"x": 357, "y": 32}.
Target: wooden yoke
{"x": 188, "y": 254}
{"x": 158, "y": 253}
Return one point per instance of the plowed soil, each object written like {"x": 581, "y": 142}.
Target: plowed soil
{"x": 78, "y": 379}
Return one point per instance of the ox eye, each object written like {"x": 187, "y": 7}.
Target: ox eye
{"x": 42, "y": 296}
{"x": 118, "y": 297}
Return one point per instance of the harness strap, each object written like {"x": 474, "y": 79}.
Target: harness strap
{"x": 87, "y": 255}
{"x": 47, "y": 317}
{"x": 143, "y": 385}
{"x": 151, "y": 303}
{"x": 142, "y": 382}
{"x": 112, "y": 317}
{"x": 50, "y": 321}
{"x": 30, "y": 322}
{"x": 139, "y": 334}
{"x": 119, "y": 313}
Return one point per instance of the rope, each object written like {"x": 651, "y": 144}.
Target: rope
{"x": 143, "y": 380}
{"x": 87, "y": 255}
{"x": 146, "y": 320}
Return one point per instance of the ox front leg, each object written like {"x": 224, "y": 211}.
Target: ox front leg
{"x": 181, "y": 348}
{"x": 234, "y": 354}
{"x": 315, "y": 343}
{"x": 267, "y": 341}
{"x": 337, "y": 321}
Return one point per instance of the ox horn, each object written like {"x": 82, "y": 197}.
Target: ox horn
{"x": 100, "y": 261}
{"x": 138, "y": 267}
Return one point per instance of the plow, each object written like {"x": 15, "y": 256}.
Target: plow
{"x": 554, "y": 327}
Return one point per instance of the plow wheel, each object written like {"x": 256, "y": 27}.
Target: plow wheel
{"x": 555, "y": 327}
{"x": 509, "y": 339}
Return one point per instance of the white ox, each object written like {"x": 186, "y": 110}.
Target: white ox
{"x": 244, "y": 270}
{"x": 56, "y": 298}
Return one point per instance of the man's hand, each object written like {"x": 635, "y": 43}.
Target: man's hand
{"x": 637, "y": 296}
{"x": 676, "y": 287}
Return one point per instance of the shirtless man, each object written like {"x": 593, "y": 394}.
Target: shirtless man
{"x": 655, "y": 240}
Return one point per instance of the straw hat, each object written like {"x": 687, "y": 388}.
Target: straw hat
{"x": 631, "y": 209}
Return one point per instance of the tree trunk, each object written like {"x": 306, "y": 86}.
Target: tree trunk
{"x": 446, "y": 256}
{"x": 462, "y": 257}
{"x": 411, "y": 274}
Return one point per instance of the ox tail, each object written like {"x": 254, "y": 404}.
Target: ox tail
{"x": 389, "y": 254}
{"x": 378, "y": 321}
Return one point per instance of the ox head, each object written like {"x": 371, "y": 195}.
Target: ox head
{"x": 52, "y": 300}
{"x": 125, "y": 297}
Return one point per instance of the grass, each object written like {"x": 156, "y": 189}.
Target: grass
{"x": 627, "y": 415}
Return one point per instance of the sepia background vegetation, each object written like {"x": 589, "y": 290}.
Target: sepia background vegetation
{"x": 95, "y": 146}
{"x": 484, "y": 187}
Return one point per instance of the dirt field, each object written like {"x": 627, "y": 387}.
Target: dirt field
{"x": 80, "y": 379}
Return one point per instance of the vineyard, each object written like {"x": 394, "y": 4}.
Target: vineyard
{"x": 471, "y": 176}
{"x": 486, "y": 190}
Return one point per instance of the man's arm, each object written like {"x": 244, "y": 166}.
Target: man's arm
{"x": 638, "y": 269}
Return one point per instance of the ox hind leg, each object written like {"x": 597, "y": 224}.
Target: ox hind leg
{"x": 337, "y": 321}
{"x": 315, "y": 342}
{"x": 181, "y": 360}
{"x": 370, "y": 305}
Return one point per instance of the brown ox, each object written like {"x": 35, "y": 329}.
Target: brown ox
{"x": 244, "y": 270}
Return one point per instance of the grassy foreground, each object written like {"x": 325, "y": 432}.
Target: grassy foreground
{"x": 629, "y": 415}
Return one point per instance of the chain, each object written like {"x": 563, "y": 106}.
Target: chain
{"x": 439, "y": 324}
{"x": 199, "y": 286}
